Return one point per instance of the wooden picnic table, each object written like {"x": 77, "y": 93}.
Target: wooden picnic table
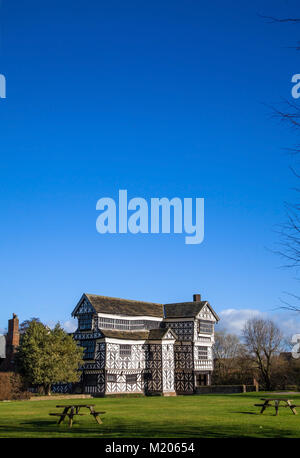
{"x": 71, "y": 410}
{"x": 277, "y": 404}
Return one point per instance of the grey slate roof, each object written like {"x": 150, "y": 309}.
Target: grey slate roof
{"x": 2, "y": 347}
{"x": 152, "y": 334}
{"x": 117, "y": 306}
{"x": 157, "y": 334}
{"x": 126, "y": 335}
{"x": 126, "y": 307}
{"x": 186, "y": 309}
{"x": 183, "y": 309}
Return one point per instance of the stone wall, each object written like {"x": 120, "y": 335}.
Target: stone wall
{"x": 225, "y": 389}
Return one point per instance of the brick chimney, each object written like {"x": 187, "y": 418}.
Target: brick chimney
{"x": 13, "y": 335}
{"x": 12, "y": 342}
{"x": 197, "y": 297}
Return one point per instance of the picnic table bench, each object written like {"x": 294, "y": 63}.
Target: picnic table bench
{"x": 277, "y": 404}
{"x": 71, "y": 410}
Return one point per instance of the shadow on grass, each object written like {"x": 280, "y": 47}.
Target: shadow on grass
{"x": 261, "y": 394}
{"x": 46, "y": 428}
{"x": 39, "y": 424}
{"x": 248, "y": 413}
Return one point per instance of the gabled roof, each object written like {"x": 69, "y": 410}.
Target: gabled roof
{"x": 186, "y": 309}
{"x": 117, "y": 306}
{"x": 126, "y": 307}
{"x": 158, "y": 334}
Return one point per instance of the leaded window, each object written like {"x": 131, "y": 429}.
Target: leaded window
{"x": 89, "y": 349}
{"x": 125, "y": 350}
{"x": 85, "y": 321}
{"x": 202, "y": 352}
{"x": 205, "y": 327}
{"x": 111, "y": 377}
{"x": 127, "y": 325}
{"x": 131, "y": 378}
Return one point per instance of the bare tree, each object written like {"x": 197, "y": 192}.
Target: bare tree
{"x": 227, "y": 349}
{"x": 263, "y": 340}
{"x": 271, "y": 19}
{"x": 231, "y": 362}
{"x": 289, "y": 248}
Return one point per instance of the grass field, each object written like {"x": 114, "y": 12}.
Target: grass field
{"x": 209, "y": 416}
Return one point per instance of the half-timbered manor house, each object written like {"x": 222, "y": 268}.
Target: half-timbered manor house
{"x": 143, "y": 347}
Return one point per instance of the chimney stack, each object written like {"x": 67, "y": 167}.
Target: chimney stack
{"x": 12, "y": 342}
{"x": 196, "y": 297}
{"x": 13, "y": 336}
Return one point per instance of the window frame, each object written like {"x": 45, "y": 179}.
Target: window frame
{"x": 205, "y": 327}
{"x": 85, "y": 321}
{"x": 131, "y": 382}
{"x": 89, "y": 349}
{"x": 125, "y": 350}
{"x": 204, "y": 351}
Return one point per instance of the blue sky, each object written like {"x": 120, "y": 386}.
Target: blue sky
{"x": 163, "y": 99}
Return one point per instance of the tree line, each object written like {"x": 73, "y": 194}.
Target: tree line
{"x": 257, "y": 354}
{"x": 49, "y": 356}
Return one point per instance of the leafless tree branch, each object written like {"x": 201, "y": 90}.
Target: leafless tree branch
{"x": 272, "y": 19}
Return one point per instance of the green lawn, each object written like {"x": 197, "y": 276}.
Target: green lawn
{"x": 209, "y": 416}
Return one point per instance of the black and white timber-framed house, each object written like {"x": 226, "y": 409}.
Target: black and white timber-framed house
{"x": 143, "y": 347}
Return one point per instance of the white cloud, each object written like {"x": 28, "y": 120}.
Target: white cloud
{"x": 70, "y": 325}
{"x": 289, "y": 323}
{"x": 233, "y": 320}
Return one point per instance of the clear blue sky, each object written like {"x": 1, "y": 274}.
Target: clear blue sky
{"x": 163, "y": 98}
